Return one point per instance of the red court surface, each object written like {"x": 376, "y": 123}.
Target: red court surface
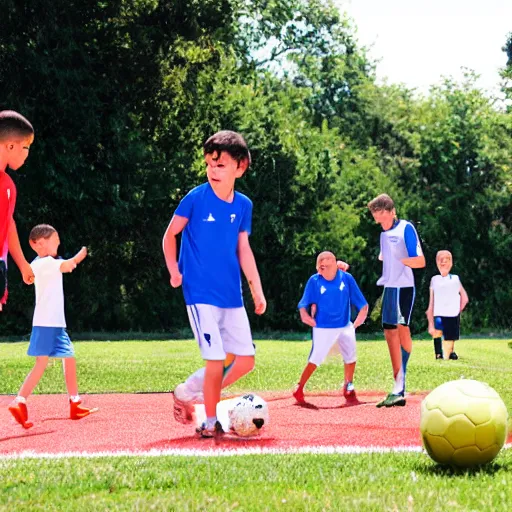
{"x": 142, "y": 423}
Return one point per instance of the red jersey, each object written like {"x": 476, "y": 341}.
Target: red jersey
{"x": 7, "y": 204}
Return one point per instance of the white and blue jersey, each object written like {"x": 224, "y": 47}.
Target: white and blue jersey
{"x": 208, "y": 255}
{"x": 333, "y": 299}
{"x": 399, "y": 242}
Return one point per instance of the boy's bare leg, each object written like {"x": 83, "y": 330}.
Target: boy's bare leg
{"x": 448, "y": 347}
{"x": 76, "y": 410}
{"x": 18, "y": 408}
{"x": 349, "y": 372}
{"x": 393, "y": 340}
{"x": 212, "y": 386}
{"x": 306, "y": 374}
{"x": 241, "y": 366}
{"x": 33, "y": 377}
{"x": 69, "y": 368}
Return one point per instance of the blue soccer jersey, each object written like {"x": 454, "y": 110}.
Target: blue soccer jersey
{"x": 333, "y": 299}
{"x": 208, "y": 255}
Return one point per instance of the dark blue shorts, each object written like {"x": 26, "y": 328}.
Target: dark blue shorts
{"x": 51, "y": 342}
{"x": 450, "y": 325}
{"x": 397, "y": 306}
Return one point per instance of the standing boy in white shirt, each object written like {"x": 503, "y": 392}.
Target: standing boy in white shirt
{"x": 447, "y": 300}
{"x": 49, "y": 337}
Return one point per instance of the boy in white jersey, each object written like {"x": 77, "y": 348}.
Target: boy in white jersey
{"x": 49, "y": 337}
{"x": 447, "y": 301}
{"x": 332, "y": 292}
{"x": 400, "y": 252}
{"x": 215, "y": 222}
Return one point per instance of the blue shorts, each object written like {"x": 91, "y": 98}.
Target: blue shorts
{"x": 397, "y": 306}
{"x": 51, "y": 342}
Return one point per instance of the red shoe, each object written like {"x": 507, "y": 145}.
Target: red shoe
{"x": 19, "y": 412}
{"x": 77, "y": 411}
{"x": 298, "y": 394}
{"x": 349, "y": 392}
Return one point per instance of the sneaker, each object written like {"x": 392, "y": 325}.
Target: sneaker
{"x": 349, "y": 391}
{"x": 78, "y": 411}
{"x": 454, "y": 356}
{"x": 19, "y": 412}
{"x": 439, "y": 356}
{"x": 183, "y": 408}
{"x": 392, "y": 400}
{"x": 204, "y": 432}
{"x": 298, "y": 394}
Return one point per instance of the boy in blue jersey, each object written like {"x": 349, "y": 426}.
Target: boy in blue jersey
{"x": 215, "y": 222}
{"x": 400, "y": 252}
{"x": 332, "y": 293}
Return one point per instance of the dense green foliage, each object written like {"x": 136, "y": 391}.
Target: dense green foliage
{"x": 123, "y": 93}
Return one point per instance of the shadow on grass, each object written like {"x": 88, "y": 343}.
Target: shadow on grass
{"x": 433, "y": 469}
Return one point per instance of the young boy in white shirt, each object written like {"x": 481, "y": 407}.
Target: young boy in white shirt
{"x": 49, "y": 337}
{"x": 447, "y": 300}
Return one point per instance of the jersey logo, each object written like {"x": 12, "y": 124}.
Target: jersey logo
{"x": 342, "y": 286}
{"x": 233, "y": 217}
{"x": 210, "y": 218}
{"x": 322, "y": 290}
{"x": 208, "y": 338}
{"x": 8, "y": 193}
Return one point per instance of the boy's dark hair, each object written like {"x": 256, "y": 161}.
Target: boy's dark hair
{"x": 14, "y": 126}
{"x": 381, "y": 202}
{"x": 230, "y": 142}
{"x": 41, "y": 231}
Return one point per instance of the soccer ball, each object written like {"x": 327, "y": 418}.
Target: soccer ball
{"x": 463, "y": 423}
{"x": 248, "y": 416}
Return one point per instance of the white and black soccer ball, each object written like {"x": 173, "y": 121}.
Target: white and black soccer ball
{"x": 248, "y": 416}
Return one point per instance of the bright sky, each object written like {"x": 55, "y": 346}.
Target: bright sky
{"x": 418, "y": 41}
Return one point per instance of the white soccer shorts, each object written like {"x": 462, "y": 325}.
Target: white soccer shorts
{"x": 324, "y": 338}
{"x": 219, "y": 331}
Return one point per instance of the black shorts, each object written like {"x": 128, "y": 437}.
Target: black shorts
{"x": 449, "y": 325}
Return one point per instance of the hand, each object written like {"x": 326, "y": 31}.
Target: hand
{"x": 260, "y": 303}
{"x": 176, "y": 279}
{"x": 342, "y": 265}
{"x": 306, "y": 318}
{"x": 27, "y": 273}
{"x": 432, "y": 331}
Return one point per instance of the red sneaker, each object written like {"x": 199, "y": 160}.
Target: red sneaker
{"x": 77, "y": 411}
{"x": 19, "y": 412}
{"x": 298, "y": 394}
{"x": 348, "y": 391}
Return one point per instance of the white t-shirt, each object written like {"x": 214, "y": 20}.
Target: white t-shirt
{"x": 49, "y": 311}
{"x": 446, "y": 295}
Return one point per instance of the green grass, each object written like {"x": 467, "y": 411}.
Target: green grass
{"x": 373, "y": 482}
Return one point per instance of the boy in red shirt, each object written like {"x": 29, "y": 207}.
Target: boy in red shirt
{"x": 16, "y": 136}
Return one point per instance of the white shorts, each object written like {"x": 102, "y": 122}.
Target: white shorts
{"x": 324, "y": 338}
{"x": 219, "y": 331}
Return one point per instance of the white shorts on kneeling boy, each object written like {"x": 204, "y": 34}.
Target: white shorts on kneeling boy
{"x": 324, "y": 338}
{"x": 219, "y": 331}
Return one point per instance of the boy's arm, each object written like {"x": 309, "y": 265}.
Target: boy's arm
{"x": 464, "y": 299}
{"x": 306, "y": 317}
{"x": 17, "y": 254}
{"x": 71, "y": 264}
{"x": 414, "y": 261}
{"x": 430, "y": 313}
{"x": 250, "y": 270}
{"x": 169, "y": 245}
{"x": 361, "y": 316}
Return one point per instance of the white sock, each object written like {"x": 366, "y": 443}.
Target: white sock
{"x": 20, "y": 400}
{"x": 75, "y": 398}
